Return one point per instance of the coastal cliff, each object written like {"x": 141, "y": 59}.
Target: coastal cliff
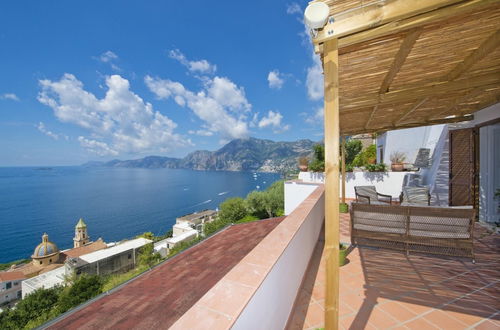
{"x": 250, "y": 154}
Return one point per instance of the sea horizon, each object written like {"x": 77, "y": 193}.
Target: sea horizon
{"x": 116, "y": 203}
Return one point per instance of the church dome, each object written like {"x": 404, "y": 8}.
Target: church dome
{"x": 45, "y": 249}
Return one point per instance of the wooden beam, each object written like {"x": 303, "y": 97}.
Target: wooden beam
{"x": 332, "y": 227}
{"x": 452, "y": 106}
{"x": 375, "y": 14}
{"x": 483, "y": 50}
{"x": 411, "y": 110}
{"x": 343, "y": 169}
{"x": 390, "y": 127}
{"x": 399, "y": 59}
{"x": 372, "y": 114}
{"x": 415, "y": 21}
{"x": 424, "y": 90}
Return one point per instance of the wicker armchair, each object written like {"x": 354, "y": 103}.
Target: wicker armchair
{"x": 415, "y": 196}
{"x": 369, "y": 195}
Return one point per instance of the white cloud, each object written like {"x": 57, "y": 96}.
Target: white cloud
{"x": 221, "y": 104}
{"x": 275, "y": 79}
{"x": 314, "y": 81}
{"x": 9, "y": 96}
{"x": 119, "y": 122}
{"x": 201, "y": 132}
{"x": 293, "y": 8}
{"x": 273, "y": 119}
{"x": 41, "y": 127}
{"x": 97, "y": 147}
{"x": 316, "y": 117}
{"x": 109, "y": 57}
{"x": 201, "y": 66}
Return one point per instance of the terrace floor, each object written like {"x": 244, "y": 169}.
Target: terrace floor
{"x": 384, "y": 289}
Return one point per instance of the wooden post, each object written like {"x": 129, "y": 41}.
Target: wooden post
{"x": 343, "y": 169}
{"x": 332, "y": 134}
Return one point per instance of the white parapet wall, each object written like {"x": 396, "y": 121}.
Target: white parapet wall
{"x": 296, "y": 192}
{"x": 272, "y": 303}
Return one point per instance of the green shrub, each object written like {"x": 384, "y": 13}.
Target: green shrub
{"x": 232, "y": 210}
{"x": 37, "y": 303}
{"x": 376, "y": 167}
{"x": 248, "y": 218}
{"x": 84, "y": 288}
{"x": 365, "y": 157}
{"x": 183, "y": 245}
{"x": 147, "y": 256}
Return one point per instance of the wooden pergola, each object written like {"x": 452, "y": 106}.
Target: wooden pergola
{"x": 391, "y": 64}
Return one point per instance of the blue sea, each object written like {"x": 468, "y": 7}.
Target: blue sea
{"x": 116, "y": 203}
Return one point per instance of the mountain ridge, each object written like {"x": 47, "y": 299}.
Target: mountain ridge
{"x": 250, "y": 154}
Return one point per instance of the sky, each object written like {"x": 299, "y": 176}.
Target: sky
{"x": 100, "y": 80}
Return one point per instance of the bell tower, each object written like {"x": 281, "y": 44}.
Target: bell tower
{"x": 81, "y": 237}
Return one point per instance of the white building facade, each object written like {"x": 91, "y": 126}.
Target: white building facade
{"x": 10, "y": 286}
{"x": 484, "y": 159}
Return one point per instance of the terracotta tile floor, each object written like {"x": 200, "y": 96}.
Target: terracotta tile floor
{"x": 384, "y": 289}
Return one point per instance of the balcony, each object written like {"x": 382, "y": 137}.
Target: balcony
{"x": 379, "y": 288}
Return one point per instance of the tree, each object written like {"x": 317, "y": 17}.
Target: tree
{"x": 267, "y": 204}
{"x": 352, "y": 148}
{"x": 147, "y": 256}
{"x": 367, "y": 156}
{"x": 318, "y": 163}
{"x": 256, "y": 204}
{"x": 84, "y": 288}
{"x": 38, "y": 302}
{"x": 276, "y": 198}
{"x": 232, "y": 210}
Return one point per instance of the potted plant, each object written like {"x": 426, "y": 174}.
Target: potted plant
{"x": 342, "y": 254}
{"x": 344, "y": 207}
{"x": 303, "y": 164}
{"x": 397, "y": 159}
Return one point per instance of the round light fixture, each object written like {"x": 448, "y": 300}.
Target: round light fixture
{"x": 316, "y": 15}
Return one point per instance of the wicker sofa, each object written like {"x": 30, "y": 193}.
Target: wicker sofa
{"x": 438, "y": 230}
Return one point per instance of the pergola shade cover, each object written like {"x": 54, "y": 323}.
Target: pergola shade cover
{"x": 438, "y": 65}
{"x": 391, "y": 64}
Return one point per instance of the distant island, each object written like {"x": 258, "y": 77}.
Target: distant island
{"x": 250, "y": 154}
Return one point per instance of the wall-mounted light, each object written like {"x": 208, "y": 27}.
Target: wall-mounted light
{"x": 315, "y": 16}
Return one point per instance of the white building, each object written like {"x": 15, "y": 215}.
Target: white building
{"x": 46, "y": 280}
{"x": 473, "y": 155}
{"x": 464, "y": 160}
{"x": 182, "y": 232}
{"x": 10, "y": 286}
{"x": 197, "y": 220}
{"x": 118, "y": 258}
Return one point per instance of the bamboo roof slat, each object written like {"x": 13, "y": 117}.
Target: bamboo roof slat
{"x": 439, "y": 65}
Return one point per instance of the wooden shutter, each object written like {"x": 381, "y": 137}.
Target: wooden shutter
{"x": 462, "y": 183}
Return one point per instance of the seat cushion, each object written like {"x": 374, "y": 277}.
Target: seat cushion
{"x": 416, "y": 195}
{"x": 380, "y": 229}
{"x": 367, "y": 191}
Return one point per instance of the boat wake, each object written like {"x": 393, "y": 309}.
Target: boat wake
{"x": 205, "y": 202}
{"x": 222, "y": 193}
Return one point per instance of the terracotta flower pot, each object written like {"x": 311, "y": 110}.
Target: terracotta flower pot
{"x": 397, "y": 167}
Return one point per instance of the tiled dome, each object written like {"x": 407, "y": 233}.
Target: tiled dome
{"x": 46, "y": 248}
